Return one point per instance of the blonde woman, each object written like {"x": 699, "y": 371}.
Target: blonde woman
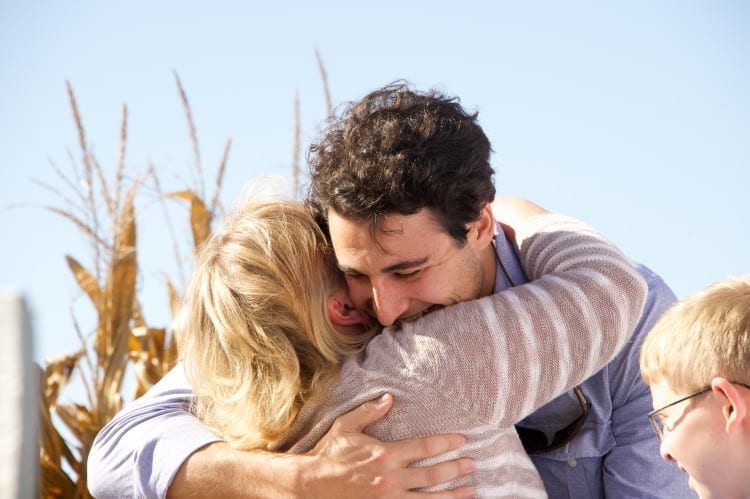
{"x": 258, "y": 339}
{"x": 274, "y": 351}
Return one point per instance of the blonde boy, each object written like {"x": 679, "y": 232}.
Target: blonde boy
{"x": 696, "y": 360}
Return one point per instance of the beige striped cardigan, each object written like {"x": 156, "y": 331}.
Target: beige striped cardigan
{"x": 478, "y": 367}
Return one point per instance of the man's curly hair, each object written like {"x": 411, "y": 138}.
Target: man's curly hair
{"x": 399, "y": 150}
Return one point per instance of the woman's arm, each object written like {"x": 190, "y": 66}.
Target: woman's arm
{"x": 538, "y": 340}
{"x": 156, "y": 447}
{"x": 479, "y": 366}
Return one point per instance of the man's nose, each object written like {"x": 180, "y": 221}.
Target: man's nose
{"x": 388, "y": 305}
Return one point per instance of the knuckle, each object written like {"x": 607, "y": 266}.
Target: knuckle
{"x": 336, "y": 426}
{"x": 381, "y": 483}
{"x": 433, "y": 475}
{"x": 427, "y": 446}
{"x": 382, "y": 454}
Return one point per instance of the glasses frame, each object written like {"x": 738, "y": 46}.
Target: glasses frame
{"x": 656, "y": 423}
{"x": 535, "y": 441}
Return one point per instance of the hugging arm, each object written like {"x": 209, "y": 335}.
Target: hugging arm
{"x": 631, "y": 466}
{"x": 540, "y": 339}
{"x": 581, "y": 305}
{"x": 156, "y": 447}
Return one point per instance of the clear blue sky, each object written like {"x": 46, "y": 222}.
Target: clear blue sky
{"x": 634, "y": 116}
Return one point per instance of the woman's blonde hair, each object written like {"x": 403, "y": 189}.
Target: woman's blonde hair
{"x": 700, "y": 337}
{"x": 257, "y": 340}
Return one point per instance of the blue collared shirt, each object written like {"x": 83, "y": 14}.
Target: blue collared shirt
{"x": 616, "y": 453}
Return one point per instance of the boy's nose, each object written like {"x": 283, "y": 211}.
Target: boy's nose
{"x": 664, "y": 451}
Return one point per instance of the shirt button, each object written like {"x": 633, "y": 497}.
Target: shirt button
{"x": 572, "y": 463}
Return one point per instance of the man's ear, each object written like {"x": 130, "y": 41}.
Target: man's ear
{"x": 734, "y": 405}
{"x": 483, "y": 229}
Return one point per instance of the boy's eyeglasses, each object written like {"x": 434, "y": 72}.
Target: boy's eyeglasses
{"x": 656, "y": 421}
{"x": 658, "y": 424}
{"x": 535, "y": 441}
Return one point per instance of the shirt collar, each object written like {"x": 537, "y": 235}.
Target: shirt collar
{"x": 508, "y": 272}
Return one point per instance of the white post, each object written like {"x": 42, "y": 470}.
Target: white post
{"x": 19, "y": 444}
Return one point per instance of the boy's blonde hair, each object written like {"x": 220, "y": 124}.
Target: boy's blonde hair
{"x": 257, "y": 340}
{"x": 700, "y": 337}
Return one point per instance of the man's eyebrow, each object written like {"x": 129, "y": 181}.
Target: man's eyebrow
{"x": 348, "y": 270}
{"x": 408, "y": 264}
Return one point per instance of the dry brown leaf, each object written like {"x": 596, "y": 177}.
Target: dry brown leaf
{"x": 157, "y": 338}
{"x": 147, "y": 375}
{"x": 80, "y": 421}
{"x": 119, "y": 292}
{"x": 86, "y": 281}
{"x": 52, "y": 450}
{"x": 137, "y": 350}
{"x": 151, "y": 356}
{"x": 174, "y": 297}
{"x": 193, "y": 134}
{"x": 114, "y": 331}
{"x": 170, "y": 356}
{"x": 109, "y": 398}
{"x": 215, "y": 203}
{"x": 56, "y": 374}
{"x": 200, "y": 217}
{"x": 54, "y": 482}
{"x": 138, "y": 320}
{"x": 141, "y": 387}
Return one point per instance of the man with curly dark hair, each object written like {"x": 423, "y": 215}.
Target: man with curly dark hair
{"x": 398, "y": 151}
{"x": 413, "y": 168}
{"x": 416, "y": 155}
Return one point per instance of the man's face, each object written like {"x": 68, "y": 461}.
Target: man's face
{"x": 410, "y": 265}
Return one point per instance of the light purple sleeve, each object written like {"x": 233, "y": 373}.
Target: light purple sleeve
{"x": 138, "y": 453}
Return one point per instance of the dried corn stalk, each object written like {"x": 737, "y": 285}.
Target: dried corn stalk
{"x": 122, "y": 343}
{"x": 106, "y": 217}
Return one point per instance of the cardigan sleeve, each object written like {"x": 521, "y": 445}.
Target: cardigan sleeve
{"x": 505, "y": 355}
{"x": 487, "y": 363}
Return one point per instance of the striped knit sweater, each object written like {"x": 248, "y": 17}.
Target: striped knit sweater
{"x": 478, "y": 367}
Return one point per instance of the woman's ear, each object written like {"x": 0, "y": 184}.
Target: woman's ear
{"x": 734, "y": 405}
{"x": 341, "y": 311}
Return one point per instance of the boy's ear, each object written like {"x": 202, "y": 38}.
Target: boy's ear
{"x": 734, "y": 406}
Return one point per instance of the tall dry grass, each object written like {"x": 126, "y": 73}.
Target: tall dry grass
{"x": 120, "y": 344}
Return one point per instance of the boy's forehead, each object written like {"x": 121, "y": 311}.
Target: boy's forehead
{"x": 662, "y": 394}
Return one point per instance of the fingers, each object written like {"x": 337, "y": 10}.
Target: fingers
{"x": 415, "y": 449}
{"x": 461, "y": 493}
{"x": 390, "y": 461}
{"x": 367, "y": 413}
{"x": 436, "y": 474}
